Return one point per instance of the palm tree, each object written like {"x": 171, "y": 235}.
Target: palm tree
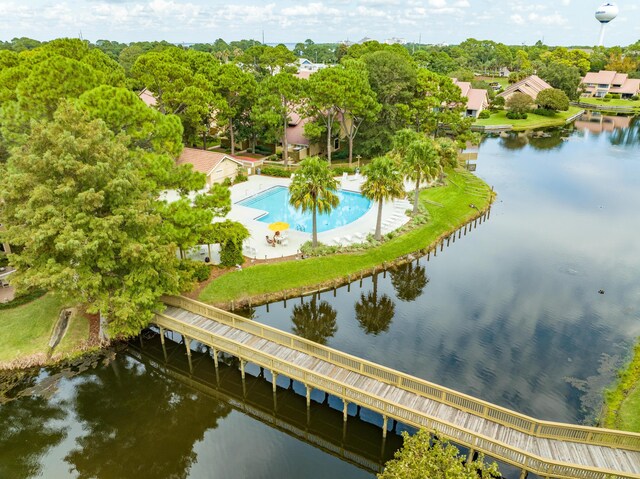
{"x": 409, "y": 281}
{"x": 312, "y": 189}
{"x": 315, "y": 321}
{"x": 383, "y": 182}
{"x": 374, "y": 313}
{"x": 421, "y": 162}
{"x": 448, "y": 152}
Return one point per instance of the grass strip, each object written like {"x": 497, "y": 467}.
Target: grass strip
{"x": 462, "y": 188}
{"x": 533, "y": 121}
{"x": 610, "y": 102}
{"x": 622, "y": 403}
{"x": 25, "y": 330}
{"x": 77, "y": 335}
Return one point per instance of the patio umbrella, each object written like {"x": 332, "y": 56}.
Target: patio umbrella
{"x": 279, "y": 226}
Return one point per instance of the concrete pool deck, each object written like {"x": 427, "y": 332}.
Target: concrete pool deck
{"x": 393, "y": 217}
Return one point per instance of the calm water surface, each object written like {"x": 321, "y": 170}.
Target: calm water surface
{"x": 510, "y": 313}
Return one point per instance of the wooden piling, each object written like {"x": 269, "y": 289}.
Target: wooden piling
{"x": 215, "y": 352}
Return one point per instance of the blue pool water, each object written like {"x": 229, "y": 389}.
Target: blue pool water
{"x": 275, "y": 201}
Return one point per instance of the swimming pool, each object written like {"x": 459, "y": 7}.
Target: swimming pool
{"x": 275, "y": 201}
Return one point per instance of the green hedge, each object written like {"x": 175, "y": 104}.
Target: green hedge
{"x": 544, "y": 112}
{"x": 275, "y": 171}
{"x": 23, "y": 299}
{"x": 512, "y": 115}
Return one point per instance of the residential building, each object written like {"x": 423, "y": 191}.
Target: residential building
{"x": 215, "y": 166}
{"x": 477, "y": 98}
{"x": 148, "y": 98}
{"x": 300, "y": 146}
{"x": 306, "y": 65}
{"x": 606, "y": 81}
{"x": 504, "y": 72}
{"x": 532, "y": 85}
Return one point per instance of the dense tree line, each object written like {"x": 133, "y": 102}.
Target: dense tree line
{"x": 85, "y": 161}
{"x": 85, "y": 164}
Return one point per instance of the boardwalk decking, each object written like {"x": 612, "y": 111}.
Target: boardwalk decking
{"x": 543, "y": 455}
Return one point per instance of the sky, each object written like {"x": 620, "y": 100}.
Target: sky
{"x": 555, "y": 22}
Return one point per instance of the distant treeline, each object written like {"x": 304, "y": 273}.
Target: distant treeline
{"x": 470, "y": 56}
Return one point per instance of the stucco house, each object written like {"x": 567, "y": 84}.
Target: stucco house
{"x": 477, "y": 98}
{"x": 606, "y": 81}
{"x": 532, "y": 85}
{"x": 148, "y": 98}
{"x": 300, "y": 146}
{"x": 216, "y": 166}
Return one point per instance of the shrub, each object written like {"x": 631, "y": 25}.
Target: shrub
{"x": 263, "y": 150}
{"x": 544, "y": 112}
{"x": 231, "y": 253}
{"x": 240, "y": 177}
{"x": 484, "y": 114}
{"x": 615, "y": 96}
{"x": 4, "y": 261}
{"x": 23, "y": 299}
{"x": 199, "y": 271}
{"x": 226, "y": 182}
{"x": 512, "y": 115}
{"x": 275, "y": 171}
{"x": 342, "y": 154}
{"x": 635, "y": 98}
{"x": 339, "y": 170}
{"x": 608, "y": 95}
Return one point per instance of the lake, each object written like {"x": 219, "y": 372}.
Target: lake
{"x": 511, "y": 312}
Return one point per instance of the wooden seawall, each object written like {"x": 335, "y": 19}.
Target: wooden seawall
{"x": 545, "y": 448}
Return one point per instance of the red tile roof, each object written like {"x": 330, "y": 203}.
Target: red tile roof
{"x": 203, "y": 161}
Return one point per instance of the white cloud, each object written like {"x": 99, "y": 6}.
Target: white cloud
{"x": 554, "y": 19}
{"x": 517, "y": 19}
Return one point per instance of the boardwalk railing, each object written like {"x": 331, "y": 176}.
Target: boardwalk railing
{"x": 511, "y": 454}
{"x": 504, "y": 416}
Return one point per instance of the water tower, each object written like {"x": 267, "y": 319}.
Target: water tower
{"x": 604, "y": 14}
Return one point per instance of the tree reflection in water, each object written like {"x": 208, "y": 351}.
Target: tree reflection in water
{"x": 315, "y": 321}
{"x": 374, "y": 313}
{"x": 26, "y": 434}
{"x": 409, "y": 281}
{"x": 139, "y": 424}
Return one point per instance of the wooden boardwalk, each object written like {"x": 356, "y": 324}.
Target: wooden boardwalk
{"x": 545, "y": 448}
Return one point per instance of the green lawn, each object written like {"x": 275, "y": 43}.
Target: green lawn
{"x": 533, "y": 121}
{"x": 25, "y": 330}
{"x": 77, "y": 333}
{"x": 629, "y": 414}
{"x": 612, "y": 102}
{"x": 462, "y": 189}
{"x": 623, "y": 401}
{"x": 504, "y": 81}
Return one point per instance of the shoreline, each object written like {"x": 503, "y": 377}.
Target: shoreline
{"x": 616, "y": 398}
{"x": 332, "y": 271}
